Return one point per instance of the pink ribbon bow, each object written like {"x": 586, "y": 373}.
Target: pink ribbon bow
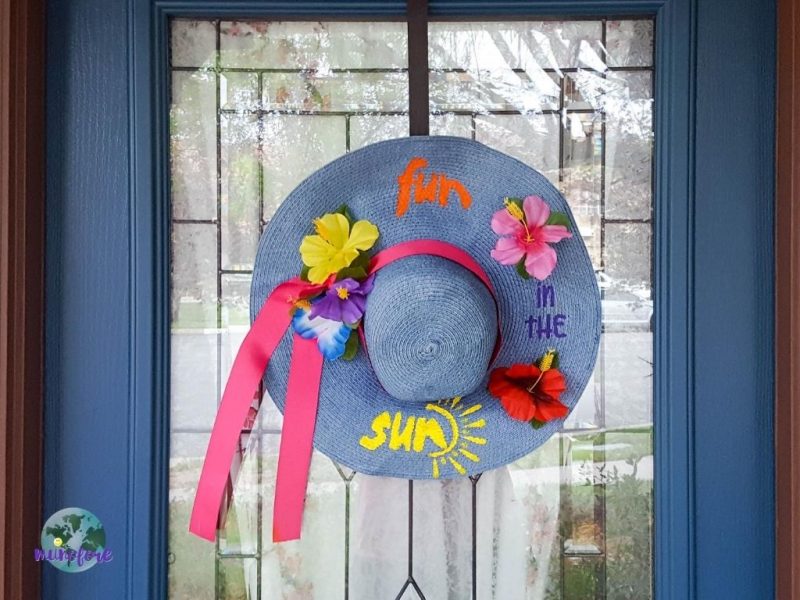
{"x": 302, "y": 397}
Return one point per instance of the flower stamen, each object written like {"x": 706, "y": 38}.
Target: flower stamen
{"x": 514, "y": 210}
{"x": 343, "y": 293}
{"x": 546, "y": 363}
{"x": 532, "y": 386}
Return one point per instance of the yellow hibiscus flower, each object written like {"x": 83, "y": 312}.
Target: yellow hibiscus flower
{"x": 335, "y": 245}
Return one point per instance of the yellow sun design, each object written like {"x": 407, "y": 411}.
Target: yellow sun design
{"x": 463, "y": 423}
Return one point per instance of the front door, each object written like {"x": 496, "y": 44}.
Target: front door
{"x": 175, "y": 131}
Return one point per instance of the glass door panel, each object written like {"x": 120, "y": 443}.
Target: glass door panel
{"x": 574, "y": 100}
{"x": 256, "y": 107}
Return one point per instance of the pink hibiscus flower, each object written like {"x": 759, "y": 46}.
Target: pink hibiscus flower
{"x": 526, "y": 234}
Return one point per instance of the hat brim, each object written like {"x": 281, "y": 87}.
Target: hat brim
{"x": 350, "y": 395}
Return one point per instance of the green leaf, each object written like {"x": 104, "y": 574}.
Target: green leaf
{"x": 304, "y": 272}
{"x": 362, "y": 260}
{"x": 517, "y": 201}
{"x": 345, "y": 210}
{"x": 351, "y": 347}
{"x": 536, "y": 424}
{"x": 555, "y": 360}
{"x": 521, "y": 269}
{"x": 357, "y": 273}
{"x": 558, "y": 218}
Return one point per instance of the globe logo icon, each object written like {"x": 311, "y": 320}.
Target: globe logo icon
{"x": 73, "y": 540}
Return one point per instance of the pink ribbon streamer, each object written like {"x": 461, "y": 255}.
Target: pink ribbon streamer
{"x": 300, "y": 412}
{"x": 302, "y": 397}
{"x": 248, "y": 367}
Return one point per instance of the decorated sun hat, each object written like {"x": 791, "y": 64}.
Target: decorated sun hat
{"x": 422, "y": 308}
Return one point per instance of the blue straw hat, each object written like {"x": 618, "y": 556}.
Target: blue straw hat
{"x": 415, "y": 401}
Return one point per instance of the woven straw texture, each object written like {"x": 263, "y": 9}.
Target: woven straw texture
{"x": 430, "y": 323}
{"x": 430, "y": 328}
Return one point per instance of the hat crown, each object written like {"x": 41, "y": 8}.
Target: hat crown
{"x": 430, "y": 328}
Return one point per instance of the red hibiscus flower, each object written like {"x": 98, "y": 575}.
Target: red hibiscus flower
{"x": 529, "y": 393}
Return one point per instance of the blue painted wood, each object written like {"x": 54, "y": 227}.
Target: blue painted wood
{"x": 149, "y": 317}
{"x": 87, "y": 404}
{"x": 271, "y": 8}
{"x": 107, "y": 417}
{"x": 673, "y": 256}
{"x": 543, "y": 8}
{"x": 733, "y": 299}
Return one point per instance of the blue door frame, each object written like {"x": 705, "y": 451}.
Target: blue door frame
{"x": 107, "y": 320}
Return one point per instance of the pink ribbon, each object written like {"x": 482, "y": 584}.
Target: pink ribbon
{"x": 248, "y": 367}
{"x": 302, "y": 397}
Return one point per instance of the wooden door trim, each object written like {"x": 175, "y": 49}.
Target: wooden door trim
{"x": 787, "y": 305}
{"x": 22, "y": 239}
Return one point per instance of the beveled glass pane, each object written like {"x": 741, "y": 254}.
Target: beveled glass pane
{"x": 532, "y": 139}
{"x": 193, "y": 145}
{"x": 526, "y": 45}
{"x": 629, "y": 148}
{"x": 629, "y": 495}
{"x": 295, "y": 146}
{"x": 587, "y": 414}
{"x": 237, "y": 578}
{"x": 630, "y": 43}
{"x": 194, "y": 386}
{"x": 368, "y": 129}
{"x": 240, "y": 536}
{"x": 528, "y": 528}
{"x": 378, "y": 538}
{"x": 450, "y": 124}
{"x": 236, "y": 300}
{"x": 628, "y": 355}
{"x": 335, "y": 92}
{"x": 270, "y": 417}
{"x": 442, "y": 538}
{"x": 319, "y": 46}
{"x": 192, "y": 43}
{"x": 194, "y": 274}
{"x": 313, "y": 566}
{"x": 583, "y": 578}
{"x": 240, "y": 190}
{"x": 191, "y": 560}
{"x": 581, "y": 175}
{"x": 502, "y": 89}
{"x": 239, "y": 91}
{"x": 627, "y": 259}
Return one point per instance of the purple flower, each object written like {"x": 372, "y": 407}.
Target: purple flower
{"x": 344, "y": 301}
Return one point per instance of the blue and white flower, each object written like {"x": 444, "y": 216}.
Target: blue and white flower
{"x": 331, "y": 335}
